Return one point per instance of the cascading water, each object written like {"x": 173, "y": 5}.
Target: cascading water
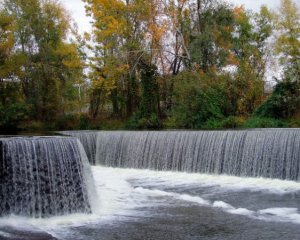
{"x": 43, "y": 176}
{"x": 133, "y": 203}
{"x": 88, "y": 139}
{"x": 269, "y": 153}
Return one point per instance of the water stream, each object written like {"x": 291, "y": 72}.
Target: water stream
{"x": 210, "y": 185}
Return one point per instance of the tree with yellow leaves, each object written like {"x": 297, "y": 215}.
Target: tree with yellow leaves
{"x": 49, "y": 63}
{"x": 125, "y": 33}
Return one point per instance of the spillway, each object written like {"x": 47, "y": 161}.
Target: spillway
{"x": 43, "y": 176}
{"x": 88, "y": 139}
{"x": 268, "y": 153}
{"x": 258, "y": 153}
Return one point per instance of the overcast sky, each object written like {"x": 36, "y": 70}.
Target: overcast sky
{"x": 76, "y": 8}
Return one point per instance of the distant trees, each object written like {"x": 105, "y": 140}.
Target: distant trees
{"x": 287, "y": 23}
{"x": 47, "y": 65}
{"x": 12, "y": 108}
{"x": 284, "y": 102}
{"x": 7, "y": 42}
{"x": 228, "y": 48}
{"x": 147, "y": 64}
{"x": 128, "y": 39}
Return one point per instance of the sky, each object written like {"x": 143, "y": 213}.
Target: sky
{"x": 77, "y": 11}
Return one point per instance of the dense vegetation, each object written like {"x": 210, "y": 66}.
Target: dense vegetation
{"x": 196, "y": 64}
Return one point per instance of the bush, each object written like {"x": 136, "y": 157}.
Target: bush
{"x": 227, "y": 123}
{"x": 212, "y": 124}
{"x": 197, "y": 101}
{"x": 106, "y": 124}
{"x": 170, "y": 123}
{"x": 233, "y": 122}
{"x": 283, "y": 103}
{"x": 152, "y": 122}
{"x": 12, "y": 115}
{"x": 294, "y": 123}
{"x": 256, "y": 122}
{"x": 66, "y": 122}
{"x": 33, "y": 126}
{"x": 84, "y": 122}
{"x": 71, "y": 122}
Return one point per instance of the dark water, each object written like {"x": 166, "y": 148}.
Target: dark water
{"x": 188, "y": 222}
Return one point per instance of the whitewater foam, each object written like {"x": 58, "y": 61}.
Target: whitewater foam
{"x": 220, "y": 182}
{"x": 123, "y": 191}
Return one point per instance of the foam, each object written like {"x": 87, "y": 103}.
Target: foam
{"x": 184, "y": 197}
{"x": 282, "y": 214}
{"x": 228, "y": 183}
{"x": 118, "y": 198}
{"x": 178, "y": 180}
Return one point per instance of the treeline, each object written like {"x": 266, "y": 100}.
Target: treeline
{"x": 38, "y": 66}
{"x": 199, "y": 64}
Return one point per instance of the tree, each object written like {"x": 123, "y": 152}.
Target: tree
{"x": 287, "y": 46}
{"x": 284, "y": 102}
{"x": 50, "y": 63}
{"x": 250, "y": 48}
{"x": 125, "y": 32}
{"x": 12, "y": 108}
{"x": 211, "y": 43}
{"x": 7, "y": 42}
{"x": 196, "y": 100}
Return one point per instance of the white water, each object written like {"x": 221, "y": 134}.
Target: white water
{"x": 43, "y": 176}
{"x": 88, "y": 139}
{"x": 127, "y": 197}
{"x": 270, "y": 153}
{"x": 124, "y": 192}
{"x": 119, "y": 198}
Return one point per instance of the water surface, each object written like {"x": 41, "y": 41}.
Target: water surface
{"x": 143, "y": 204}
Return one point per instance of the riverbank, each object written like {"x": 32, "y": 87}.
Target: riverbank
{"x": 85, "y": 123}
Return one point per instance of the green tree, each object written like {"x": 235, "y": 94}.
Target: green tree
{"x": 12, "y": 109}
{"x": 250, "y": 48}
{"x": 50, "y": 63}
{"x": 285, "y": 101}
{"x": 198, "y": 99}
{"x": 287, "y": 23}
{"x": 211, "y": 43}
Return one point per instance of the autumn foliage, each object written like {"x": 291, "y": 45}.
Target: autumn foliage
{"x": 147, "y": 64}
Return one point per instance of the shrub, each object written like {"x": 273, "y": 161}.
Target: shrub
{"x": 107, "y": 124}
{"x": 11, "y": 115}
{"x": 233, "y": 122}
{"x": 152, "y": 122}
{"x": 196, "y": 101}
{"x": 283, "y": 103}
{"x": 66, "y": 122}
{"x": 84, "y": 122}
{"x": 230, "y": 122}
{"x": 256, "y": 122}
{"x": 170, "y": 123}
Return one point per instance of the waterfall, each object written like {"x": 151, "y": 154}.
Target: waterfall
{"x": 88, "y": 139}
{"x": 43, "y": 176}
{"x": 269, "y": 153}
